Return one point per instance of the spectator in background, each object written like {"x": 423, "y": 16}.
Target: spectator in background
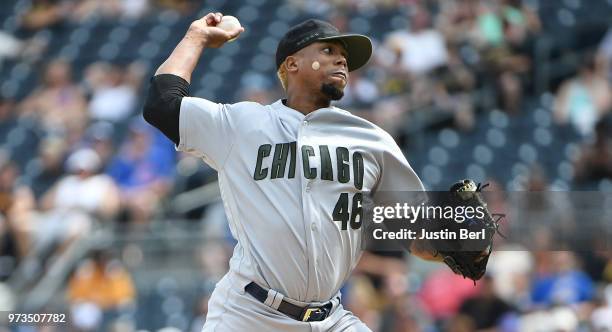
{"x": 414, "y": 59}
{"x": 594, "y": 162}
{"x": 601, "y": 317}
{"x": 604, "y": 54}
{"x": 113, "y": 99}
{"x": 183, "y": 7}
{"x": 51, "y": 157}
{"x": 565, "y": 283}
{"x": 11, "y": 200}
{"x": 68, "y": 208}
{"x": 85, "y": 9}
{"x": 503, "y": 23}
{"x": 10, "y": 46}
{"x": 454, "y": 91}
{"x": 43, "y": 14}
{"x": 489, "y": 25}
{"x": 20, "y": 218}
{"x": 387, "y": 273}
{"x": 583, "y": 99}
{"x": 506, "y": 29}
{"x": 11, "y": 250}
{"x": 420, "y": 49}
{"x": 363, "y": 300}
{"x": 99, "y": 137}
{"x": 457, "y": 21}
{"x": 511, "y": 266}
{"x": 200, "y": 312}
{"x": 460, "y": 323}
{"x": 558, "y": 319}
{"x": 94, "y": 77}
{"x": 143, "y": 171}
{"x": 522, "y": 22}
{"x": 8, "y": 120}
{"x": 85, "y": 189}
{"x": 390, "y": 114}
{"x": 134, "y": 74}
{"x": 28, "y": 50}
{"x": 486, "y": 309}
{"x": 8, "y": 176}
{"x": 406, "y": 62}
{"x": 397, "y": 318}
{"x": 99, "y": 291}
{"x": 443, "y": 292}
{"x": 58, "y": 104}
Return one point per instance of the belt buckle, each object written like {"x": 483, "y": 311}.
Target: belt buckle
{"x": 314, "y": 314}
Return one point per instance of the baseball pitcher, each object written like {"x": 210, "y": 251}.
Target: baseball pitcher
{"x": 292, "y": 176}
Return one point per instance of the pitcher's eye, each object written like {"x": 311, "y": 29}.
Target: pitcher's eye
{"x": 327, "y": 50}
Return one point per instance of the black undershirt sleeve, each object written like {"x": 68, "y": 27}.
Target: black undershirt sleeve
{"x": 163, "y": 104}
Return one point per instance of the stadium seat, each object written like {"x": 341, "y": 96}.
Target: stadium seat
{"x": 476, "y": 173}
{"x": 498, "y": 119}
{"x": 482, "y": 154}
{"x": 496, "y": 138}
{"x": 565, "y": 171}
{"x": 542, "y": 136}
{"x": 448, "y": 138}
{"x": 438, "y": 156}
{"x": 431, "y": 175}
{"x": 527, "y": 153}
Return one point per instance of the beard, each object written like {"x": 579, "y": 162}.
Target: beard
{"x": 331, "y": 91}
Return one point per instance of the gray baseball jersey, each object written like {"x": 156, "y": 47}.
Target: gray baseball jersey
{"x": 291, "y": 185}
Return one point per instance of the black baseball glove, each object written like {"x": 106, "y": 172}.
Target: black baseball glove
{"x": 468, "y": 257}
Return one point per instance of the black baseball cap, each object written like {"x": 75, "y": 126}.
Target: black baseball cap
{"x": 358, "y": 47}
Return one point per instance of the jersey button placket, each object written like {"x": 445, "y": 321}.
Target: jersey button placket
{"x": 307, "y": 211}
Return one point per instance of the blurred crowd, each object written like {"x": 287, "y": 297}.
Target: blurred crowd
{"x": 76, "y": 156}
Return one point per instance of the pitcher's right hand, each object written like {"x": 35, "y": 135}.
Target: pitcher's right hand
{"x": 205, "y": 30}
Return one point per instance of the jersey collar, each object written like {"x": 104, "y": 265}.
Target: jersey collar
{"x": 293, "y": 113}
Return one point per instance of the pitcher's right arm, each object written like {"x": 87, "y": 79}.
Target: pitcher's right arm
{"x": 171, "y": 81}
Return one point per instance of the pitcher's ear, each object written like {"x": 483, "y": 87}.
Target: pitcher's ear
{"x": 292, "y": 63}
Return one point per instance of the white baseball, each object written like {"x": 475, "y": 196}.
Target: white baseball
{"x": 229, "y": 23}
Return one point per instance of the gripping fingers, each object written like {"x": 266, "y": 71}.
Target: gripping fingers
{"x": 212, "y": 19}
{"x": 209, "y": 18}
{"x": 233, "y": 34}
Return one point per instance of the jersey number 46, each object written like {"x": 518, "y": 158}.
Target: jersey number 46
{"x": 344, "y": 215}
